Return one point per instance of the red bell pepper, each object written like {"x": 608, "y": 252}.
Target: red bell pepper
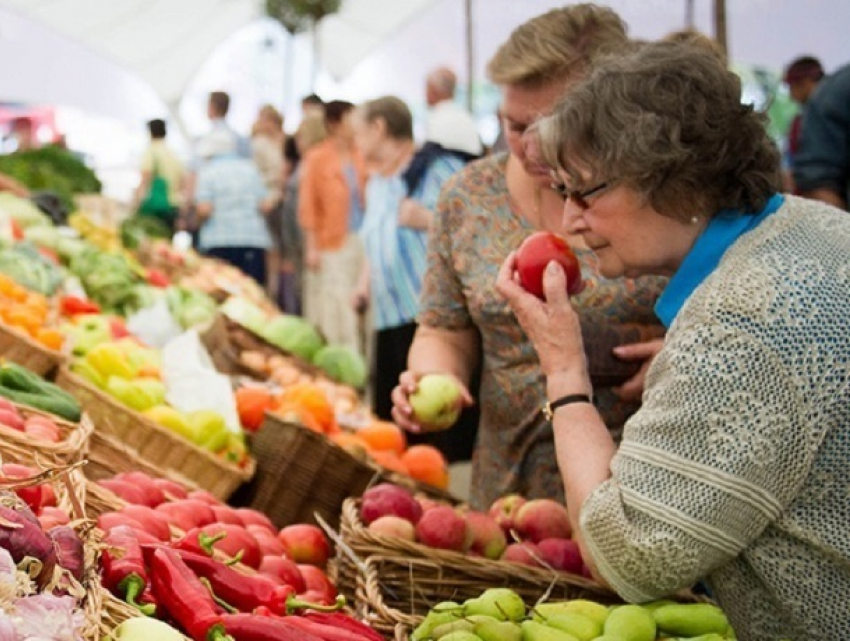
{"x": 124, "y": 572}
{"x": 185, "y": 597}
{"x": 74, "y": 306}
{"x": 157, "y": 278}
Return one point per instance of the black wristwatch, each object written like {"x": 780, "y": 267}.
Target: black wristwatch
{"x": 550, "y": 406}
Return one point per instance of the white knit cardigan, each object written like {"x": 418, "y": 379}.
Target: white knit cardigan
{"x": 737, "y": 468}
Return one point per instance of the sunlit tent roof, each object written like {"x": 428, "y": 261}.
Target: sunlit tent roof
{"x": 100, "y": 50}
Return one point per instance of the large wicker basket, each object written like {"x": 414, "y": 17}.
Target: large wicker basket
{"x": 19, "y": 348}
{"x": 158, "y": 445}
{"x": 109, "y": 456}
{"x": 394, "y": 581}
{"x": 28, "y": 450}
{"x": 301, "y": 473}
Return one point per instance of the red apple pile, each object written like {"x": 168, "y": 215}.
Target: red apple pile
{"x": 36, "y": 425}
{"x": 163, "y": 511}
{"x": 531, "y": 532}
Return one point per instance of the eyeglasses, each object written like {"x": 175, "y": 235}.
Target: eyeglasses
{"x": 579, "y": 197}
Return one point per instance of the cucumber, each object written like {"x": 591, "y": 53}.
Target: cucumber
{"x": 53, "y": 404}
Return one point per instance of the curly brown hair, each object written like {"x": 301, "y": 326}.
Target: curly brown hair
{"x": 666, "y": 120}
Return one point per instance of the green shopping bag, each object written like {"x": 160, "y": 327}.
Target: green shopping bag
{"x": 156, "y": 202}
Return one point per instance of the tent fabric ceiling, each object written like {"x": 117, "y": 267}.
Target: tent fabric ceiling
{"x": 164, "y": 42}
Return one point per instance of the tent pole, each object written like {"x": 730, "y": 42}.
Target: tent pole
{"x": 720, "y": 25}
{"x": 470, "y": 66}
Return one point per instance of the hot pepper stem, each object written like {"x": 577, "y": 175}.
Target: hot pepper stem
{"x": 206, "y": 541}
{"x": 133, "y": 586}
{"x": 294, "y": 603}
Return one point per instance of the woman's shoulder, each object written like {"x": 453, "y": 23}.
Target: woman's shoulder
{"x": 480, "y": 177}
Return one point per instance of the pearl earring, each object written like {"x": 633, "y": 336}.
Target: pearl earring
{"x": 694, "y": 220}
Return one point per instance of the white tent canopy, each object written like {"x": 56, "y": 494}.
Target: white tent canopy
{"x": 99, "y": 50}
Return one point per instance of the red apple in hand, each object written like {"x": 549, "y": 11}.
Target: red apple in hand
{"x": 536, "y": 252}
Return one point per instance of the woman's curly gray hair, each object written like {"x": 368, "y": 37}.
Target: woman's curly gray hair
{"x": 666, "y": 120}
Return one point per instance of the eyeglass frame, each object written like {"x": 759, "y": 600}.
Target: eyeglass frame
{"x": 579, "y": 197}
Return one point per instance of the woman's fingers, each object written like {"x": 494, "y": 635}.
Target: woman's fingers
{"x": 639, "y": 351}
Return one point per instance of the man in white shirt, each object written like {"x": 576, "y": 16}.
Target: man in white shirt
{"x": 449, "y": 124}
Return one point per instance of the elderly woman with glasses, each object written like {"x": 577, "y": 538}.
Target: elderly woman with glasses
{"x": 734, "y": 470}
{"x": 485, "y": 211}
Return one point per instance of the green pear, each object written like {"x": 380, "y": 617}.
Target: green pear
{"x": 443, "y": 612}
{"x": 500, "y": 603}
{"x": 458, "y": 625}
{"x": 461, "y": 635}
{"x": 498, "y": 631}
{"x": 534, "y": 631}
{"x": 581, "y": 627}
{"x": 652, "y": 606}
{"x": 690, "y": 619}
{"x": 590, "y": 609}
{"x": 632, "y": 623}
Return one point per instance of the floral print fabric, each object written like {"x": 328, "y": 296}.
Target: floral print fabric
{"x": 476, "y": 226}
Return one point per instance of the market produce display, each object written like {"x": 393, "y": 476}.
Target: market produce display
{"x": 499, "y": 614}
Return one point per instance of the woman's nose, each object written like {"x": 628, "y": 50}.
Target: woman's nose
{"x": 573, "y": 220}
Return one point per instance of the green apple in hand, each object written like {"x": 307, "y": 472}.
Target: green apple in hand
{"x": 437, "y": 402}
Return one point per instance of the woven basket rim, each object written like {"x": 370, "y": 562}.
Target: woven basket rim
{"x": 78, "y": 433}
{"x": 244, "y": 473}
{"x": 358, "y": 536}
{"x": 19, "y": 335}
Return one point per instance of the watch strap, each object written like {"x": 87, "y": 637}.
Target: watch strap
{"x": 550, "y": 406}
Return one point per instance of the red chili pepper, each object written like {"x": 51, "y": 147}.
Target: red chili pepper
{"x": 243, "y": 592}
{"x": 74, "y": 306}
{"x": 184, "y": 597}
{"x": 247, "y": 627}
{"x": 124, "y": 572}
{"x": 324, "y": 632}
{"x": 344, "y": 622}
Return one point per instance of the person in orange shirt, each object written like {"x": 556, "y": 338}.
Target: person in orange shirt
{"x": 330, "y": 211}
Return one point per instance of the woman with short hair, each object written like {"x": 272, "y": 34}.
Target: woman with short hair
{"x": 734, "y": 470}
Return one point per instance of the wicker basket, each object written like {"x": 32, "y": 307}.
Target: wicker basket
{"x": 300, "y": 472}
{"x": 19, "y": 348}
{"x": 109, "y": 456}
{"x": 28, "y": 450}
{"x": 154, "y": 443}
{"x": 395, "y": 581}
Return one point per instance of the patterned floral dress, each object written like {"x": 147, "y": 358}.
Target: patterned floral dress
{"x": 475, "y": 228}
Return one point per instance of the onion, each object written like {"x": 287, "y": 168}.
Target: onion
{"x": 69, "y": 550}
{"x": 22, "y": 536}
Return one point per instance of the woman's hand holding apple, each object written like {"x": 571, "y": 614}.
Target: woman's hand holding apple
{"x": 552, "y": 325}
{"x": 443, "y": 392}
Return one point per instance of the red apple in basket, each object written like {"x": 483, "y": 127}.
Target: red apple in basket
{"x": 305, "y": 543}
{"x": 387, "y": 499}
{"x": 283, "y": 570}
{"x": 487, "y": 537}
{"x": 543, "y": 519}
{"x": 269, "y": 544}
{"x": 504, "y": 510}
{"x": 561, "y": 554}
{"x": 443, "y": 528}
{"x": 536, "y": 252}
